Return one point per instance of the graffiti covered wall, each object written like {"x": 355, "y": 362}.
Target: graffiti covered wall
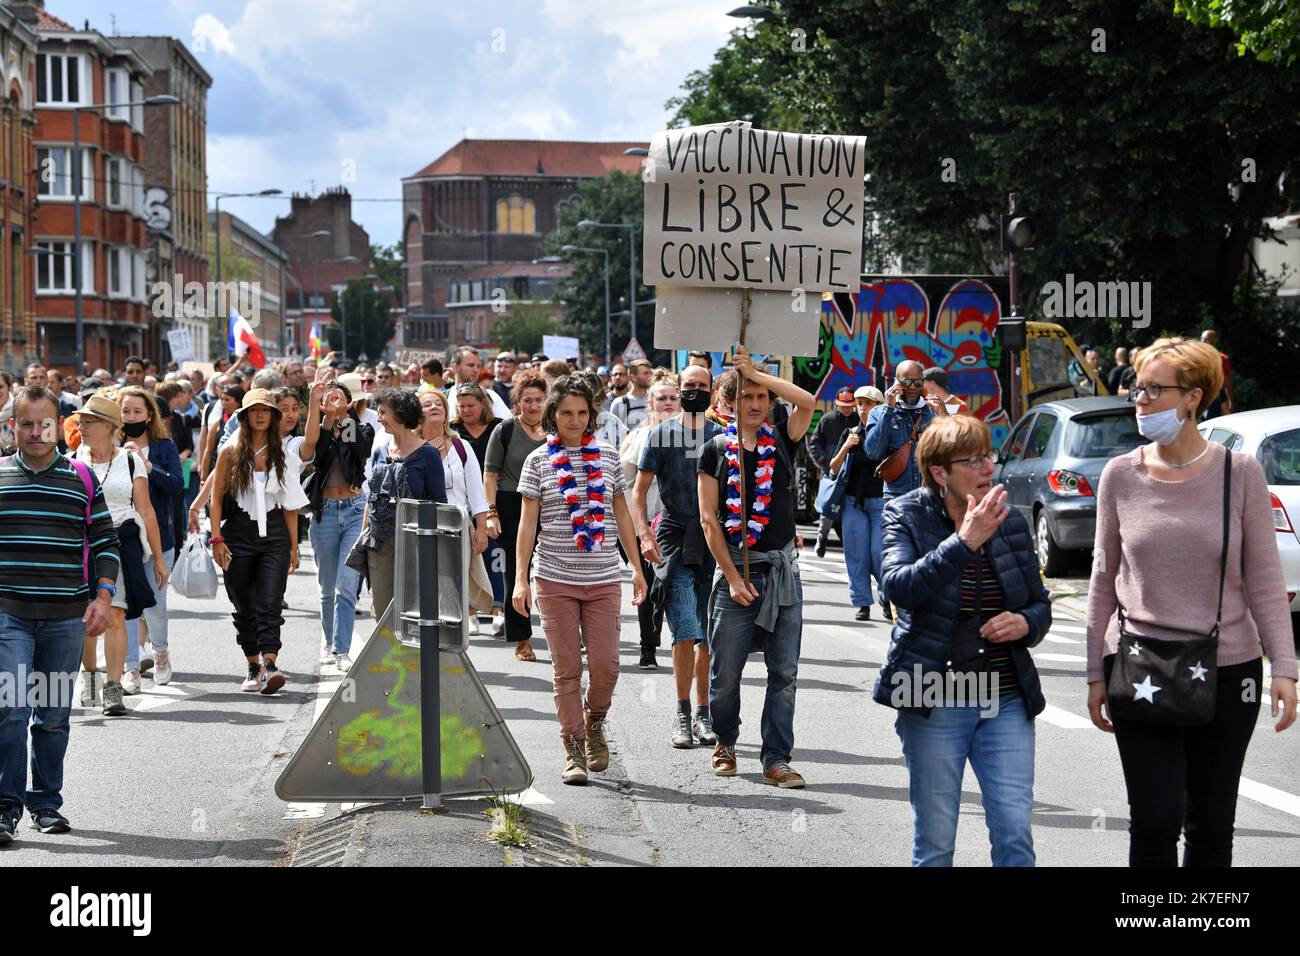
{"x": 866, "y": 335}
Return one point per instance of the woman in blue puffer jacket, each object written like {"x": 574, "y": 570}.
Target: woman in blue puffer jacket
{"x": 960, "y": 569}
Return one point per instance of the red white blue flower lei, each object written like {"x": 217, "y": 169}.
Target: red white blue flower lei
{"x": 588, "y": 523}
{"x": 761, "y": 512}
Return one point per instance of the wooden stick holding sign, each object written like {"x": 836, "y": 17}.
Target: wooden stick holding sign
{"x": 740, "y": 440}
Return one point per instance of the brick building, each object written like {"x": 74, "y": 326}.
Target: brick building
{"x": 258, "y": 266}
{"x": 175, "y": 183}
{"x": 487, "y": 203}
{"x": 473, "y": 304}
{"x": 19, "y": 343}
{"x": 319, "y": 263}
{"x": 80, "y": 68}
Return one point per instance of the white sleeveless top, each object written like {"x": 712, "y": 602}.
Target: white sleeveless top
{"x": 115, "y": 479}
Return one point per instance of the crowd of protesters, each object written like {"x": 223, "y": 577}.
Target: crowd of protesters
{"x": 569, "y": 476}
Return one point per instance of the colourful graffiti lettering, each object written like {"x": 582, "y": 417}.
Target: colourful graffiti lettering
{"x": 388, "y": 741}
{"x": 866, "y": 336}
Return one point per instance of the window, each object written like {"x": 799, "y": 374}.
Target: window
{"x": 138, "y": 259}
{"x": 59, "y": 79}
{"x": 117, "y": 90}
{"x": 119, "y": 272}
{"x": 137, "y": 109}
{"x": 1041, "y": 435}
{"x": 1280, "y": 456}
{"x": 54, "y": 174}
{"x": 516, "y": 215}
{"x": 137, "y": 191}
{"x": 114, "y": 170}
{"x": 54, "y": 267}
{"x": 1103, "y": 436}
{"x": 1015, "y": 442}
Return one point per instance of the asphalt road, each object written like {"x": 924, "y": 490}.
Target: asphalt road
{"x": 187, "y": 777}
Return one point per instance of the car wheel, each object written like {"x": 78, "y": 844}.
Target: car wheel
{"x": 1050, "y": 557}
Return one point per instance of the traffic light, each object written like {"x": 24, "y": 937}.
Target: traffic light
{"x": 1018, "y": 232}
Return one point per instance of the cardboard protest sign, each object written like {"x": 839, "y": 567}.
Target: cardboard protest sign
{"x": 710, "y": 320}
{"x": 560, "y": 346}
{"x": 731, "y": 206}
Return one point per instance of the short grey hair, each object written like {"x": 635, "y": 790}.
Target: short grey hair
{"x": 268, "y": 379}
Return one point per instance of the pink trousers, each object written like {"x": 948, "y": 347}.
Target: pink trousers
{"x": 572, "y": 613}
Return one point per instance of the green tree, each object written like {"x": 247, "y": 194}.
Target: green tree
{"x": 389, "y": 263}
{"x": 616, "y": 198}
{"x": 369, "y": 321}
{"x": 1270, "y": 29}
{"x": 523, "y": 326}
{"x": 1146, "y": 149}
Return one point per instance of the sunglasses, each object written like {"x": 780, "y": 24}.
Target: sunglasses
{"x": 367, "y": 381}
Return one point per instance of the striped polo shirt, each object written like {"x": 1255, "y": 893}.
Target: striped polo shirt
{"x": 42, "y": 536}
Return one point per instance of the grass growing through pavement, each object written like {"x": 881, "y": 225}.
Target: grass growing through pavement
{"x": 509, "y": 819}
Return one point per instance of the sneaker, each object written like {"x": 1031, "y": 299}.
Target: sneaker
{"x": 498, "y": 625}
{"x": 575, "y": 765}
{"x": 253, "y": 682}
{"x": 49, "y": 820}
{"x": 782, "y": 776}
{"x": 724, "y": 760}
{"x": 682, "y": 738}
{"x": 648, "y": 662}
{"x": 343, "y": 662}
{"x": 821, "y": 547}
{"x": 163, "y": 669}
{"x": 864, "y": 614}
{"x": 272, "y": 678}
{"x": 328, "y": 659}
{"x": 703, "y": 728}
{"x": 113, "y": 704}
{"x": 326, "y": 650}
{"x": 91, "y": 684}
{"x": 473, "y": 625}
{"x": 147, "y": 657}
{"x": 8, "y": 822}
{"x": 597, "y": 748}
{"x": 131, "y": 683}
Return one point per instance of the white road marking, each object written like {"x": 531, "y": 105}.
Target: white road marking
{"x": 1063, "y": 658}
{"x": 1063, "y": 718}
{"x": 1269, "y": 796}
{"x": 304, "y": 811}
{"x": 157, "y": 696}
{"x": 1056, "y": 639}
{"x": 324, "y": 691}
{"x": 1070, "y": 628}
{"x": 532, "y": 797}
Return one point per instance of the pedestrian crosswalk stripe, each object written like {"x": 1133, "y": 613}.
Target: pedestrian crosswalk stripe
{"x": 1063, "y": 718}
{"x": 1057, "y": 639}
{"x": 1269, "y": 796}
{"x": 1074, "y": 628}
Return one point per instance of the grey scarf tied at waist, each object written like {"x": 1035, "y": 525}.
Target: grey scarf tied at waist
{"x": 781, "y": 585}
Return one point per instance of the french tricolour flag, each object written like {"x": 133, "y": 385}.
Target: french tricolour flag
{"x": 241, "y": 340}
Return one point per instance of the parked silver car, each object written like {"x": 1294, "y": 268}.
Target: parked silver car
{"x": 1272, "y": 435}
{"x": 1051, "y": 465}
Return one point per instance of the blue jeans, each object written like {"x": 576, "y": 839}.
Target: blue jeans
{"x": 731, "y": 637}
{"x": 687, "y": 603}
{"x": 155, "y": 617}
{"x": 37, "y": 646}
{"x": 1001, "y": 752}
{"x": 333, "y": 532}
{"x": 861, "y": 522}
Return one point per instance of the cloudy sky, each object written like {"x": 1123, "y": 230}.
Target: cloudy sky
{"x": 309, "y": 94}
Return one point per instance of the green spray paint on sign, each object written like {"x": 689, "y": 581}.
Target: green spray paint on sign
{"x": 388, "y": 740}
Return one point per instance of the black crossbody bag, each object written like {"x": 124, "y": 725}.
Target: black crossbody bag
{"x": 1170, "y": 682}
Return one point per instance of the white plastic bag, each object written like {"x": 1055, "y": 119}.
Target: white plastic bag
{"x": 194, "y": 575}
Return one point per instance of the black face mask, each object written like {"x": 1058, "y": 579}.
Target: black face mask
{"x": 135, "y": 429}
{"x": 696, "y": 400}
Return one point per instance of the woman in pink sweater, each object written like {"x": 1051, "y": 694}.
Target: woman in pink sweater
{"x": 1157, "y": 551}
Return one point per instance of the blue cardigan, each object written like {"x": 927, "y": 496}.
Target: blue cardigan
{"x": 923, "y": 559}
{"x": 164, "y": 486}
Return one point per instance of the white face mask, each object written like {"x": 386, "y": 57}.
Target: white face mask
{"x": 1160, "y": 427}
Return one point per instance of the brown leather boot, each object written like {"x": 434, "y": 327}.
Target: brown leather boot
{"x": 575, "y": 767}
{"x": 597, "y": 747}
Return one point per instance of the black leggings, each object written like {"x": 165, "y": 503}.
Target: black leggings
{"x": 256, "y": 579}
{"x": 510, "y": 506}
{"x": 1184, "y": 779}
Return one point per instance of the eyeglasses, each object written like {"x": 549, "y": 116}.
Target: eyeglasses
{"x": 976, "y": 461}
{"x": 911, "y": 382}
{"x": 1153, "y": 390}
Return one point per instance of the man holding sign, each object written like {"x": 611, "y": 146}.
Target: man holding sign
{"x": 767, "y": 608}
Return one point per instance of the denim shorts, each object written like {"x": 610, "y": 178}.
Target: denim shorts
{"x": 687, "y": 603}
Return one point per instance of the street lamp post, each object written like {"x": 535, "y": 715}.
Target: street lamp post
{"x": 631, "y": 255}
{"x": 221, "y": 196}
{"x": 605, "y": 253}
{"x": 163, "y": 100}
